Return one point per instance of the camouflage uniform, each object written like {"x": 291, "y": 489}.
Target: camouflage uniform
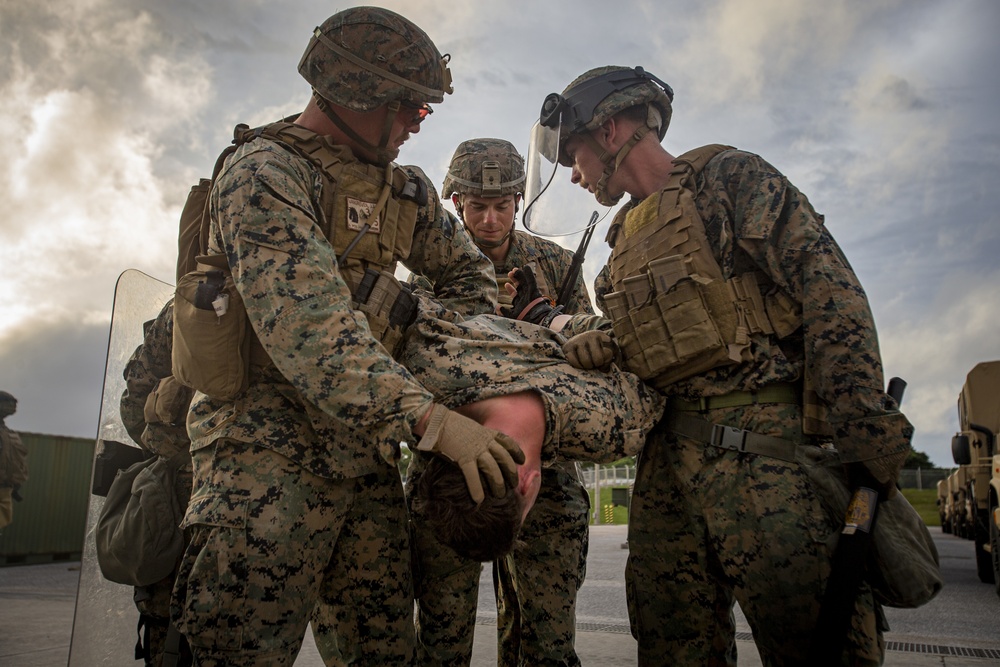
{"x": 326, "y": 419}
{"x": 464, "y": 360}
{"x": 297, "y": 511}
{"x": 537, "y": 584}
{"x": 708, "y": 525}
{"x": 8, "y": 438}
{"x": 148, "y": 365}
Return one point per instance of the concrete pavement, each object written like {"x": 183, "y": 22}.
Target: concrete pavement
{"x": 37, "y": 605}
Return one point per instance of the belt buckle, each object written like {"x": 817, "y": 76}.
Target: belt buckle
{"x": 729, "y": 437}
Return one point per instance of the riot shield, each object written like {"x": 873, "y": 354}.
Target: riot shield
{"x": 104, "y": 623}
{"x": 554, "y": 205}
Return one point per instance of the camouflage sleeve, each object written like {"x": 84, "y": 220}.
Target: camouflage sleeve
{"x": 264, "y": 212}
{"x": 150, "y": 362}
{"x": 785, "y": 238}
{"x": 583, "y": 322}
{"x": 418, "y": 282}
{"x": 460, "y": 276}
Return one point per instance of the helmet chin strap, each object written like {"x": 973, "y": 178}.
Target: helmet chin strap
{"x": 383, "y": 154}
{"x": 612, "y": 162}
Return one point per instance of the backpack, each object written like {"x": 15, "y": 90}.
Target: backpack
{"x": 13, "y": 459}
{"x": 138, "y": 536}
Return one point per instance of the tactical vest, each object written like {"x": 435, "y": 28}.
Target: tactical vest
{"x": 367, "y": 213}
{"x": 674, "y": 314}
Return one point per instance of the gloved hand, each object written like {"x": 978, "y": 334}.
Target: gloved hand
{"x": 874, "y": 448}
{"x": 590, "y": 350}
{"x": 880, "y": 474}
{"x": 474, "y": 449}
{"x": 529, "y": 303}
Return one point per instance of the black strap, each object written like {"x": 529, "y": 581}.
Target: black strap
{"x": 847, "y": 572}
{"x": 171, "y": 647}
{"x": 142, "y": 639}
{"x": 730, "y": 437}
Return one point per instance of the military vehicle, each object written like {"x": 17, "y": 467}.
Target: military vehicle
{"x": 975, "y": 486}
{"x": 944, "y": 509}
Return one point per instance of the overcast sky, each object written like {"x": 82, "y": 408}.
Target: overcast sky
{"x": 883, "y": 113}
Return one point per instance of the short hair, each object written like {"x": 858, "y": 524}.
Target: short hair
{"x": 483, "y": 533}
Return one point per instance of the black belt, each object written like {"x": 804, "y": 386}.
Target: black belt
{"x": 730, "y": 437}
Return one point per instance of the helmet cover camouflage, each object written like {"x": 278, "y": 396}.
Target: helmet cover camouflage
{"x": 364, "y": 57}
{"x": 485, "y": 167}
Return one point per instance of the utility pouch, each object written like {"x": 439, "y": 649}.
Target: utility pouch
{"x": 138, "y": 536}
{"x": 903, "y": 567}
{"x": 212, "y": 335}
{"x": 167, "y": 403}
{"x": 668, "y": 336}
{"x": 388, "y": 305}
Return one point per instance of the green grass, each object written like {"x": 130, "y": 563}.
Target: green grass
{"x": 619, "y": 514}
{"x": 925, "y": 502}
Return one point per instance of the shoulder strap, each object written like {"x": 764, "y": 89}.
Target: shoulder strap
{"x": 685, "y": 167}
{"x": 696, "y": 159}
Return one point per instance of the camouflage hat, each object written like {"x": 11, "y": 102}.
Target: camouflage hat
{"x": 364, "y": 57}
{"x": 485, "y": 167}
{"x": 600, "y": 93}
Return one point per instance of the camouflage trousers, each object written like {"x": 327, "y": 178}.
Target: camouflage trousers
{"x": 153, "y": 604}
{"x": 708, "y": 527}
{"x": 273, "y": 547}
{"x": 6, "y": 507}
{"x": 536, "y": 585}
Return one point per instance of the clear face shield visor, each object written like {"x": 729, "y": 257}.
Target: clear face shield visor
{"x": 554, "y": 205}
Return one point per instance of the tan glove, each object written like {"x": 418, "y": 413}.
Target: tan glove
{"x": 474, "y": 449}
{"x": 590, "y": 350}
{"x": 881, "y": 473}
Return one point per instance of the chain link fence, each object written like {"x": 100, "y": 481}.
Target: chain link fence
{"x": 923, "y": 478}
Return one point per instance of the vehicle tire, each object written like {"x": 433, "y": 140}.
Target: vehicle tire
{"x": 984, "y": 559}
{"x": 995, "y": 547}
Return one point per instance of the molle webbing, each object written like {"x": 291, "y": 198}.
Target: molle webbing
{"x": 367, "y": 210}
{"x": 777, "y": 392}
{"x": 672, "y": 208}
{"x": 674, "y": 313}
{"x": 353, "y": 189}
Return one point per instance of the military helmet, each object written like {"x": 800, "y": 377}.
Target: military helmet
{"x": 485, "y": 167}
{"x": 600, "y": 93}
{"x": 364, "y": 57}
{"x": 7, "y": 397}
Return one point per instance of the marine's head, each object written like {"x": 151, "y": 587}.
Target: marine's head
{"x": 591, "y": 100}
{"x": 485, "y": 182}
{"x": 8, "y": 404}
{"x": 371, "y": 64}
